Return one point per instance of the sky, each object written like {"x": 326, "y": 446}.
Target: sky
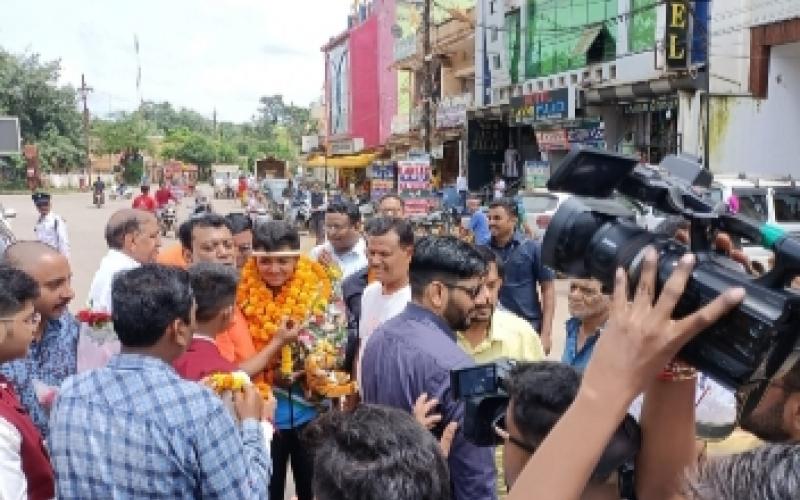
{"x": 200, "y": 54}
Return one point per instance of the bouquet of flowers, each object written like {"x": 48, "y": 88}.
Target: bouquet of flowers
{"x": 98, "y": 325}
{"x": 312, "y": 297}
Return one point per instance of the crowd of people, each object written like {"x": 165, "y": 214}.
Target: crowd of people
{"x": 126, "y": 409}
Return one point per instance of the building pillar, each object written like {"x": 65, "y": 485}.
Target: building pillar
{"x": 690, "y": 126}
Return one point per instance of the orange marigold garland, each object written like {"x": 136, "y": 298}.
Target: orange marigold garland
{"x": 307, "y": 293}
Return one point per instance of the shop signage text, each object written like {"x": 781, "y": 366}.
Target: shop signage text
{"x": 547, "y": 105}
{"x": 414, "y": 185}
{"x": 346, "y": 146}
{"x": 452, "y": 111}
{"x": 677, "y": 32}
{"x": 550, "y": 140}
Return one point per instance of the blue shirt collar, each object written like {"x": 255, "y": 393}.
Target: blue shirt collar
{"x": 517, "y": 239}
{"x": 130, "y": 361}
{"x": 414, "y": 309}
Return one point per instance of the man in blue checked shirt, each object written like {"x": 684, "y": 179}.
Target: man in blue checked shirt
{"x": 135, "y": 429}
{"x": 53, "y": 354}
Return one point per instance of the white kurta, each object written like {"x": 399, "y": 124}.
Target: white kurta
{"x": 95, "y": 348}
{"x": 52, "y": 230}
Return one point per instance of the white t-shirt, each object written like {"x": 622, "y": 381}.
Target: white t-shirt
{"x": 499, "y": 189}
{"x": 376, "y": 309}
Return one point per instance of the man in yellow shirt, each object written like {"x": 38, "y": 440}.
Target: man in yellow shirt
{"x": 496, "y": 333}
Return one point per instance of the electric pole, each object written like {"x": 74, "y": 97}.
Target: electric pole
{"x": 427, "y": 72}
{"x": 84, "y": 91}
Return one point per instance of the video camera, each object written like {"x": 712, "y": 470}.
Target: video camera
{"x": 484, "y": 390}
{"x": 592, "y": 234}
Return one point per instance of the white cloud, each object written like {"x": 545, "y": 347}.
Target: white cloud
{"x": 200, "y": 54}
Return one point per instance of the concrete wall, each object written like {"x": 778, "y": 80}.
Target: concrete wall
{"x": 759, "y": 136}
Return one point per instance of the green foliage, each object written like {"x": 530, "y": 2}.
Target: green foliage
{"x": 50, "y": 118}
{"x": 47, "y": 112}
{"x": 133, "y": 171}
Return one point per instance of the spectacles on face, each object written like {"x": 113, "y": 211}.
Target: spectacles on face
{"x": 472, "y": 292}
{"x": 32, "y": 320}
{"x": 499, "y": 427}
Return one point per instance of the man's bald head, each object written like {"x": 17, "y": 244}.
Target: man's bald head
{"x": 134, "y": 233}
{"x": 24, "y": 255}
{"x": 51, "y": 271}
{"x": 124, "y": 222}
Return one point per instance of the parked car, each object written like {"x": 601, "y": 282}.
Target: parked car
{"x": 539, "y": 207}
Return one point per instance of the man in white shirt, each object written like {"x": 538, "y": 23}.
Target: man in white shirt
{"x": 345, "y": 246}
{"x": 499, "y": 187}
{"x": 50, "y": 228}
{"x": 462, "y": 186}
{"x": 133, "y": 239}
{"x": 391, "y": 245}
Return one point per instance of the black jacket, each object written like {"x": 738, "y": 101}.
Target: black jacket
{"x": 352, "y": 289}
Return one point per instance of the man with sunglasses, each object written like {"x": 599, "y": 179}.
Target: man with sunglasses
{"x": 412, "y": 354}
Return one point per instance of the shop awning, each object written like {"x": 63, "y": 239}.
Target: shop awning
{"x": 362, "y": 160}
{"x": 586, "y": 40}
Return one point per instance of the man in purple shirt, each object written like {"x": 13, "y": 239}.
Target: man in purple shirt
{"x": 414, "y": 352}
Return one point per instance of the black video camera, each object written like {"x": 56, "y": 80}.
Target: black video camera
{"x": 592, "y": 234}
{"x": 483, "y": 388}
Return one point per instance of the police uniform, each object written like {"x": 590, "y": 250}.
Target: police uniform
{"x": 51, "y": 228}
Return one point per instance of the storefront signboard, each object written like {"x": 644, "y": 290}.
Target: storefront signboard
{"x": 677, "y": 33}
{"x": 556, "y": 104}
{"x": 550, "y": 140}
{"x": 414, "y": 185}
{"x": 537, "y": 173}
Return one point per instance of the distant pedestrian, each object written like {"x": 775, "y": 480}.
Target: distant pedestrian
{"x": 499, "y": 187}
{"x": 50, "y": 228}
{"x": 144, "y": 201}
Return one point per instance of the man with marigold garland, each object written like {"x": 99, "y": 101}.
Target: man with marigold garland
{"x": 278, "y": 290}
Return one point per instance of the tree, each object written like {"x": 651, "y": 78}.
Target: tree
{"x": 47, "y": 112}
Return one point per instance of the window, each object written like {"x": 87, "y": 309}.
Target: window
{"x": 752, "y": 203}
{"x": 642, "y": 26}
{"x": 573, "y": 79}
{"x": 491, "y": 7}
{"x": 612, "y": 72}
{"x": 493, "y": 34}
{"x": 787, "y": 205}
{"x": 496, "y": 62}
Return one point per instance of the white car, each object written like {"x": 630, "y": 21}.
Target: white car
{"x": 539, "y": 207}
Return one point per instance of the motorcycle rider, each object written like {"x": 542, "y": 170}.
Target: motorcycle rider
{"x": 144, "y": 201}
{"x": 164, "y": 195}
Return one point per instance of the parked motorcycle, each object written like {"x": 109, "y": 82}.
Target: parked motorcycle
{"x": 99, "y": 199}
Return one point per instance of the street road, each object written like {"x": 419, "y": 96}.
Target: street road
{"x": 86, "y": 225}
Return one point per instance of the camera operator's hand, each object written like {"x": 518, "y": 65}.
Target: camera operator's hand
{"x": 641, "y": 338}
{"x": 422, "y": 411}
{"x": 638, "y": 341}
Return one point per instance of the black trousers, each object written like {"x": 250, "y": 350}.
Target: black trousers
{"x": 286, "y": 446}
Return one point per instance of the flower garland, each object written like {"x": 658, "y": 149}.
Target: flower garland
{"x": 307, "y": 293}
